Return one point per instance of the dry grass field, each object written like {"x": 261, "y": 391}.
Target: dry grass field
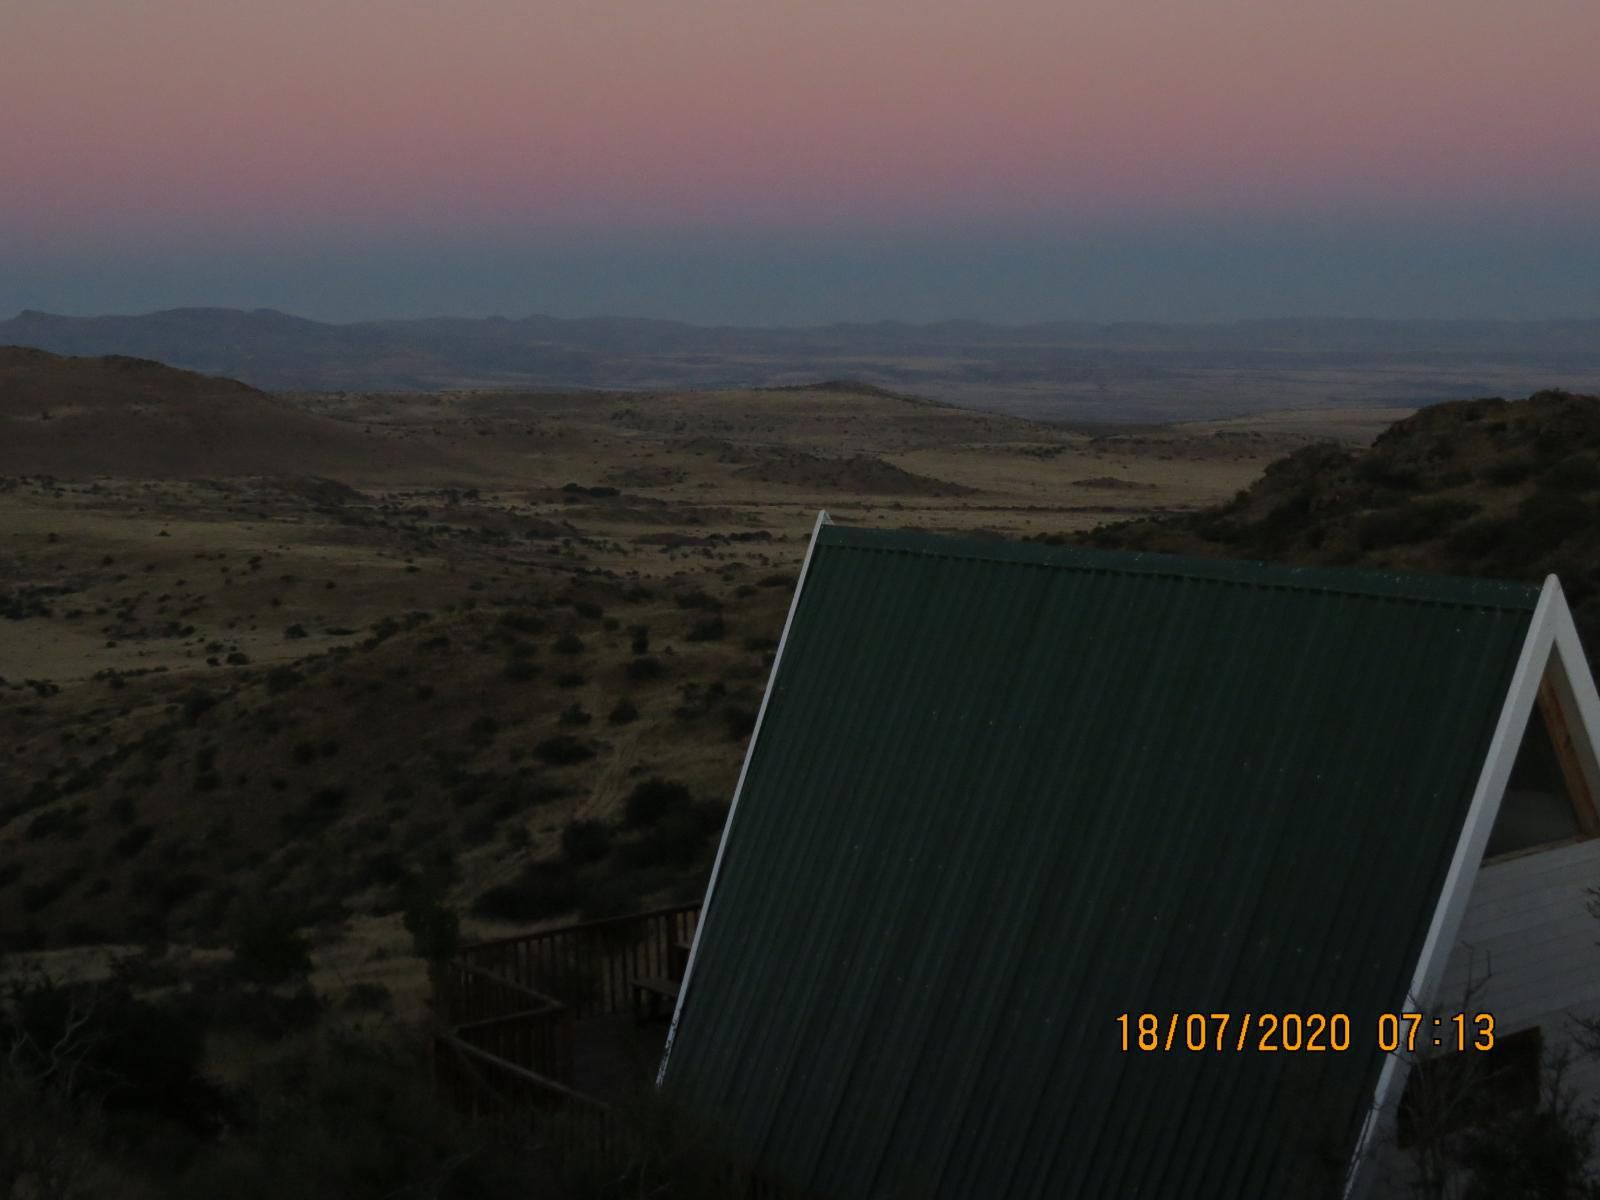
{"x": 302, "y": 648}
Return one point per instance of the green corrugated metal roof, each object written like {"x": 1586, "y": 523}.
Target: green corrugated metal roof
{"x": 1002, "y": 793}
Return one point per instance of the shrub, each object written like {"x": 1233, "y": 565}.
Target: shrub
{"x": 741, "y": 723}
{"x": 104, "y": 1048}
{"x": 677, "y": 839}
{"x": 575, "y": 714}
{"x": 641, "y": 638}
{"x": 267, "y": 946}
{"x": 641, "y": 669}
{"x": 522, "y": 622}
{"x": 542, "y": 890}
{"x": 295, "y": 631}
{"x": 569, "y": 643}
{"x": 520, "y": 670}
{"x": 1511, "y": 469}
{"x": 624, "y": 712}
{"x": 699, "y": 599}
{"x": 1480, "y": 538}
{"x": 1413, "y": 521}
{"x": 653, "y": 799}
{"x": 571, "y": 679}
{"x": 434, "y": 927}
{"x": 709, "y": 630}
{"x": 563, "y": 749}
{"x": 585, "y": 841}
{"x": 64, "y": 822}
{"x": 197, "y": 703}
{"x": 1576, "y": 473}
{"x": 134, "y": 840}
{"x": 1549, "y": 517}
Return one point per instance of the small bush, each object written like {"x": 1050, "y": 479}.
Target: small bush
{"x": 520, "y": 670}
{"x": 624, "y": 713}
{"x": 1413, "y": 521}
{"x": 1478, "y": 539}
{"x": 197, "y": 703}
{"x": 652, "y": 800}
{"x": 433, "y": 925}
{"x": 542, "y": 890}
{"x": 711, "y": 629}
{"x": 267, "y": 946}
{"x": 569, "y": 643}
{"x": 641, "y": 669}
{"x": 699, "y": 599}
{"x": 1576, "y": 473}
{"x": 575, "y": 714}
{"x": 522, "y": 622}
{"x": 133, "y": 841}
{"x": 563, "y": 749}
{"x": 1511, "y": 469}
{"x": 641, "y": 638}
{"x": 585, "y": 841}
{"x": 741, "y": 723}
{"x": 295, "y": 631}
{"x": 571, "y": 679}
{"x": 678, "y": 839}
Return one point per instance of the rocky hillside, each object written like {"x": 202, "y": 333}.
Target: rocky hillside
{"x": 1509, "y": 489}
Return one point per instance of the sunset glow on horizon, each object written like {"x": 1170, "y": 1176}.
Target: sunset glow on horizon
{"x": 228, "y": 129}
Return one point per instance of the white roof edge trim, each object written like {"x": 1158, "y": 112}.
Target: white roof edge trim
{"x": 1579, "y": 700}
{"x": 738, "y": 788}
{"x": 1548, "y": 614}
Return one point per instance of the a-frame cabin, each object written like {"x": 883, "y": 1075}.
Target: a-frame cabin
{"x": 1003, "y": 801}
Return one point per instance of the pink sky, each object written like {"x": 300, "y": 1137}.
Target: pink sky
{"x": 179, "y": 116}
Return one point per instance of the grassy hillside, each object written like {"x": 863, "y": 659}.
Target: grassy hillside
{"x": 133, "y": 418}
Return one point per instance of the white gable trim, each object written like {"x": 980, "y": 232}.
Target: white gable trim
{"x": 1576, "y": 694}
{"x": 738, "y": 788}
{"x": 1552, "y": 638}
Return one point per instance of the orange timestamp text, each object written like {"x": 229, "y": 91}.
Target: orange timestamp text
{"x": 1299, "y": 1033}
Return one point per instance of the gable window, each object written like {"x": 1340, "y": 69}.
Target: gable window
{"x": 1547, "y": 799}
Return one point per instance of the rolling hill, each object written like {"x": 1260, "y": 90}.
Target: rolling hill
{"x": 130, "y": 417}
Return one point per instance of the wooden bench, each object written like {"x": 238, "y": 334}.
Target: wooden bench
{"x": 648, "y": 993}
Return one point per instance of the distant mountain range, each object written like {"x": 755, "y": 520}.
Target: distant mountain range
{"x": 1068, "y": 369}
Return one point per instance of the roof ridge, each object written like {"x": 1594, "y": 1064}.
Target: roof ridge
{"x": 1456, "y": 590}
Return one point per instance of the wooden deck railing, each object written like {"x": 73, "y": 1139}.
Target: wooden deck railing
{"x": 590, "y": 966}
{"x": 506, "y": 1012}
{"x": 506, "y": 1020}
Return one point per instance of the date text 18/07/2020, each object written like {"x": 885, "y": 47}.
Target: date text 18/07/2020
{"x": 1300, "y": 1033}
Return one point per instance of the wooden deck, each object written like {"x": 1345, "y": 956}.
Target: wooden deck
{"x": 574, "y": 1015}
